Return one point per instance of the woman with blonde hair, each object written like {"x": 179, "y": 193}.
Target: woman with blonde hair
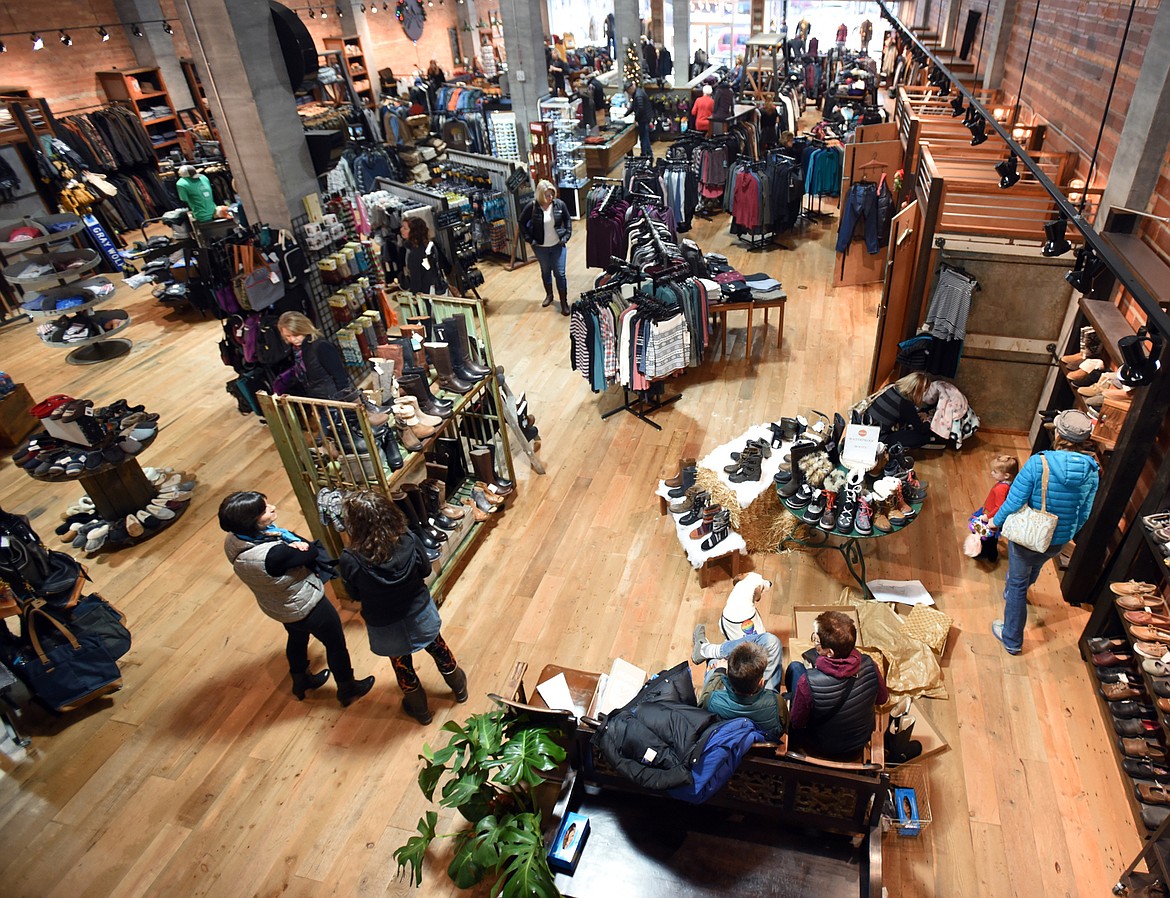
{"x": 547, "y": 227}
{"x": 897, "y": 409}
{"x": 319, "y": 372}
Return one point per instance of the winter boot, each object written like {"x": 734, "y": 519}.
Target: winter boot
{"x": 698, "y": 503}
{"x": 816, "y": 506}
{"x": 748, "y": 469}
{"x": 676, "y": 480}
{"x": 828, "y": 521}
{"x": 459, "y": 323}
{"x": 564, "y": 303}
{"x": 881, "y": 518}
{"x": 548, "y": 296}
{"x": 683, "y": 504}
{"x": 457, "y": 680}
{"x": 863, "y": 522}
{"x": 799, "y": 451}
{"x": 720, "y": 529}
{"x": 349, "y": 691}
{"x": 414, "y": 703}
{"x": 707, "y": 525}
{"x": 688, "y": 480}
{"x": 303, "y": 682}
{"x": 899, "y": 747}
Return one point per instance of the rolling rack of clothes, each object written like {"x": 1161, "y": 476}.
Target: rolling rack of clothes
{"x": 605, "y": 225}
{"x": 462, "y": 108}
{"x": 764, "y": 199}
{"x": 822, "y": 165}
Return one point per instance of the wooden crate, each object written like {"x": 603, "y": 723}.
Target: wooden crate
{"x": 1110, "y": 423}
{"x": 15, "y": 421}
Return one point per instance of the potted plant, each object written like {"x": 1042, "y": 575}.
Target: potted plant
{"x": 493, "y": 768}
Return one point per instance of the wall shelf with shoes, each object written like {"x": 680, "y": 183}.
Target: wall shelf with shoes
{"x": 123, "y": 503}
{"x": 432, "y": 441}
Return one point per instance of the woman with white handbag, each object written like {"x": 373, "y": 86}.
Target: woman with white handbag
{"x": 1048, "y": 503}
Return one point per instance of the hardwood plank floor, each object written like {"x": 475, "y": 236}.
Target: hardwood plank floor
{"x": 204, "y": 777}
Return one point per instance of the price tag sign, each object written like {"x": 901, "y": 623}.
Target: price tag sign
{"x": 516, "y": 180}
{"x": 861, "y": 443}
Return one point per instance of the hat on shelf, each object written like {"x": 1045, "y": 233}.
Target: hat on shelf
{"x": 1074, "y": 426}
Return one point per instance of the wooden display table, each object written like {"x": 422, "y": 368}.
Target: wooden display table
{"x": 721, "y": 309}
{"x": 600, "y": 158}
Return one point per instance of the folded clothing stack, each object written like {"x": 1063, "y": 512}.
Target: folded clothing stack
{"x": 764, "y": 286}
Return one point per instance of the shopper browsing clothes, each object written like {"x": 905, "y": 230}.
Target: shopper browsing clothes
{"x": 703, "y": 107}
{"x": 384, "y": 568}
{"x": 318, "y": 371}
{"x": 640, "y": 105}
{"x": 1063, "y": 481}
{"x": 422, "y": 266}
{"x": 287, "y": 574}
{"x": 547, "y": 227}
{"x": 897, "y": 410}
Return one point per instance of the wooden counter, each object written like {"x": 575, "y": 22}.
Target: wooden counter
{"x": 600, "y": 158}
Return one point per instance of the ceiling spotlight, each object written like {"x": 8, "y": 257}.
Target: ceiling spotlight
{"x": 167, "y": 28}
{"x": 339, "y": 13}
{"x": 978, "y": 132}
{"x": 956, "y": 105}
{"x": 324, "y": 13}
{"x": 1139, "y": 369}
{"x": 38, "y": 42}
{"x": 103, "y": 34}
{"x": 385, "y": 5}
{"x": 971, "y": 117}
{"x": 65, "y": 39}
{"x": 373, "y": 8}
{"x": 1086, "y": 272}
{"x": 312, "y": 15}
{"x": 135, "y": 30}
{"x": 1055, "y": 245}
{"x": 363, "y": 7}
{"x": 3, "y": 47}
{"x": 1008, "y": 171}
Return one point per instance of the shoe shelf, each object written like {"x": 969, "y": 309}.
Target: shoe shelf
{"x": 119, "y": 536}
{"x": 296, "y": 424}
{"x": 32, "y": 307}
{"x": 87, "y": 260}
{"x": 9, "y": 248}
{"x": 88, "y": 341}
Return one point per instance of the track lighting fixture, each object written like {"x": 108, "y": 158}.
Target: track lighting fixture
{"x": 363, "y": 7}
{"x": 167, "y": 28}
{"x": 956, "y": 105}
{"x": 944, "y": 89}
{"x": 1056, "y": 244}
{"x": 38, "y": 42}
{"x": 339, "y": 13}
{"x": 1086, "y": 275}
{"x": 3, "y": 47}
{"x": 324, "y": 13}
{"x": 385, "y": 6}
{"x": 65, "y": 39}
{"x": 135, "y": 30}
{"x": 1139, "y": 369}
{"x": 971, "y": 117}
{"x": 373, "y": 8}
{"x": 978, "y": 132}
{"x": 1008, "y": 171}
{"x": 312, "y": 14}
{"x": 103, "y": 34}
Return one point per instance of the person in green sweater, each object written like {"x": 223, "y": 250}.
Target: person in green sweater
{"x": 195, "y": 192}
{"x": 739, "y": 690}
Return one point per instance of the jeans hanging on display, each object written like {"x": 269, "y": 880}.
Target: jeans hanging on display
{"x": 861, "y": 204}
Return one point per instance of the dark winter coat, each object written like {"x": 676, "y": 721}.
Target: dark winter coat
{"x": 532, "y": 222}
{"x": 390, "y": 591}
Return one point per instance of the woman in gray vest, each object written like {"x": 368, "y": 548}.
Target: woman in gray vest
{"x": 287, "y": 575}
{"x": 385, "y": 568}
{"x": 833, "y": 701}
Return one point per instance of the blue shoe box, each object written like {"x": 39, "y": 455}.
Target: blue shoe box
{"x": 569, "y": 841}
{"x": 906, "y": 807}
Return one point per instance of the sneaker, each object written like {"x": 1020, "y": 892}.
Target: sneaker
{"x": 32, "y": 271}
{"x": 698, "y": 640}
{"x": 997, "y": 632}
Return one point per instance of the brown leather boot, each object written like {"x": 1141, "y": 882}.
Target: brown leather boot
{"x": 676, "y": 480}
{"x": 448, "y": 379}
{"x": 564, "y": 303}
{"x": 548, "y": 296}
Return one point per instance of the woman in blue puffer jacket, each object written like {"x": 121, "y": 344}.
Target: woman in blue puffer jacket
{"x": 1072, "y": 485}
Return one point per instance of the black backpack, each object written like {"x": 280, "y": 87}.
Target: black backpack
{"x": 29, "y": 567}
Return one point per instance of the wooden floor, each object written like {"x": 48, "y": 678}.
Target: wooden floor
{"x": 203, "y": 776}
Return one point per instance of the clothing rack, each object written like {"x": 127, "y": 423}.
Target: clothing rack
{"x": 499, "y": 171}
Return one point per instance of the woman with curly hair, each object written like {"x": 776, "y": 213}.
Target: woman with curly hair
{"x": 385, "y": 568}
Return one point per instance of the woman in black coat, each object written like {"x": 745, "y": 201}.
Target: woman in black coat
{"x": 546, "y": 225}
{"x": 385, "y": 568}
{"x": 423, "y": 265}
{"x": 319, "y": 370}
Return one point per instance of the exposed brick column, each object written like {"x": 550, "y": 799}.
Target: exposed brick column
{"x": 243, "y": 71}
{"x": 527, "y": 70}
{"x": 682, "y": 40}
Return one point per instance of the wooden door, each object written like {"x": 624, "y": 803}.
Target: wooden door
{"x": 905, "y": 237}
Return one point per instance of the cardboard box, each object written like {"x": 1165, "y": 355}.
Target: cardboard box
{"x": 569, "y": 841}
{"x": 15, "y": 421}
{"x": 803, "y": 617}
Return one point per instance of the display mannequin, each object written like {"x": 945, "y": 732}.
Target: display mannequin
{"x": 195, "y": 193}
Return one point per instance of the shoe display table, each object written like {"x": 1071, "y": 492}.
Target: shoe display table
{"x": 731, "y": 549}
{"x": 721, "y": 309}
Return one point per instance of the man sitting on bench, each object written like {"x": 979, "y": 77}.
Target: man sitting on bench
{"x": 833, "y": 701}
{"x": 739, "y": 691}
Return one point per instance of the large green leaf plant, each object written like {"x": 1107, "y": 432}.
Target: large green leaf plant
{"x": 492, "y": 765}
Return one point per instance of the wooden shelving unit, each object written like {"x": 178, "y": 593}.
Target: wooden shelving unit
{"x": 139, "y": 90}
{"x": 358, "y": 66}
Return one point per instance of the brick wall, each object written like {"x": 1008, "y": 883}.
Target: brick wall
{"x": 390, "y": 47}
{"x": 1157, "y": 233}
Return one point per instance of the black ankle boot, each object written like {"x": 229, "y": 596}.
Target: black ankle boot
{"x": 389, "y": 444}
{"x": 351, "y": 690}
{"x": 303, "y": 682}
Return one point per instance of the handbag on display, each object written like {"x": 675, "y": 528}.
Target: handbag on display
{"x": 1030, "y": 527}
{"x": 257, "y": 284}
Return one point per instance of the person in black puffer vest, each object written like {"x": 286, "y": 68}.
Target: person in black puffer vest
{"x": 833, "y": 702}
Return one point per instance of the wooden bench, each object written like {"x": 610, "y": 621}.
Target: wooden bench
{"x": 794, "y": 791}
